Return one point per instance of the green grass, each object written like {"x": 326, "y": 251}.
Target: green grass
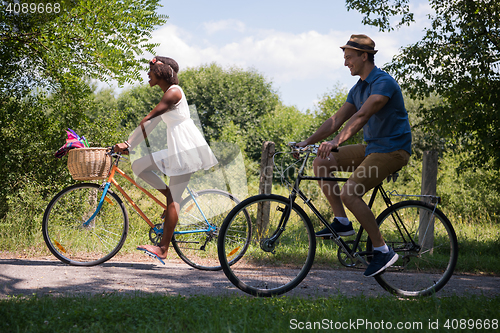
{"x": 155, "y": 313}
{"x": 479, "y": 245}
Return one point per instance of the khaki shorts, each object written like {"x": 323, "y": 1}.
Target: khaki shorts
{"x": 371, "y": 170}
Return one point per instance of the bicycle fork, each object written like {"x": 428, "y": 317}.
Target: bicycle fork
{"x": 99, "y": 206}
{"x": 269, "y": 244}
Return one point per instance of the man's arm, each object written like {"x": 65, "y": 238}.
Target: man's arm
{"x": 331, "y": 125}
{"x": 356, "y": 122}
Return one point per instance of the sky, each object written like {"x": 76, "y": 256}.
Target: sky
{"x": 293, "y": 44}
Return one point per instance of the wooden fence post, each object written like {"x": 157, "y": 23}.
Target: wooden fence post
{"x": 429, "y": 181}
{"x": 266, "y": 168}
{"x": 265, "y": 186}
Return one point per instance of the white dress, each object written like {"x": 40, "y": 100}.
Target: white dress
{"x": 187, "y": 151}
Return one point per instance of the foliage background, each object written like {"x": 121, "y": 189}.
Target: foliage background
{"x": 471, "y": 196}
{"x": 47, "y": 62}
{"x": 458, "y": 59}
{"x": 457, "y": 115}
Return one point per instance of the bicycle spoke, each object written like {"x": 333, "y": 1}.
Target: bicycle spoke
{"x": 427, "y": 258}
{"x": 270, "y": 266}
{"x": 73, "y": 242}
{"x": 199, "y": 249}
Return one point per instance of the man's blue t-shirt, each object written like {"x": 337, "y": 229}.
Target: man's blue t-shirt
{"x": 387, "y": 130}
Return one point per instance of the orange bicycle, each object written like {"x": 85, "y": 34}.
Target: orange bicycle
{"x": 87, "y": 224}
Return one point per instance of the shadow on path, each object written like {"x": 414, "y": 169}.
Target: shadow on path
{"x": 43, "y": 277}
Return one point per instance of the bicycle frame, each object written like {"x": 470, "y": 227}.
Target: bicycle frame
{"x": 421, "y": 236}
{"x": 111, "y": 180}
{"x": 336, "y": 238}
{"x": 350, "y": 252}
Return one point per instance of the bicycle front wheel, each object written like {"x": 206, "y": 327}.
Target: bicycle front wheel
{"x": 281, "y": 249}
{"x": 196, "y": 232}
{"x": 75, "y": 239}
{"x": 426, "y": 243}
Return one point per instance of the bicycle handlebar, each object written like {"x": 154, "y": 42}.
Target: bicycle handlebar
{"x": 111, "y": 152}
{"x": 311, "y": 148}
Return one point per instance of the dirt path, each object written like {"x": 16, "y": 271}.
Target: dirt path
{"x": 138, "y": 273}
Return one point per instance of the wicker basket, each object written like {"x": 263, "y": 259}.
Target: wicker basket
{"x": 89, "y": 163}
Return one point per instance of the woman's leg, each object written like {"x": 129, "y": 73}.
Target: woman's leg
{"x": 176, "y": 187}
{"x": 173, "y": 194}
{"x": 146, "y": 169}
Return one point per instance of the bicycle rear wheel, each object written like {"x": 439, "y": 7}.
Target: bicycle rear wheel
{"x": 281, "y": 250}
{"x": 426, "y": 243}
{"x": 195, "y": 240}
{"x": 75, "y": 240}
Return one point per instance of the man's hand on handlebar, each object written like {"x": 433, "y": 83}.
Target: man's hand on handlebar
{"x": 325, "y": 148}
{"x": 322, "y": 151}
{"x": 302, "y": 144}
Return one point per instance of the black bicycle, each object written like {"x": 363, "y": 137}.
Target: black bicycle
{"x": 283, "y": 244}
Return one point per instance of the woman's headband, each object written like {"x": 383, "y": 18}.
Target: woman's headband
{"x": 155, "y": 61}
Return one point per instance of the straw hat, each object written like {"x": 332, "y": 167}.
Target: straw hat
{"x": 361, "y": 43}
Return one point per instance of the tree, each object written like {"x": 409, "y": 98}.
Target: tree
{"x": 457, "y": 59}
{"x": 284, "y": 124}
{"x": 33, "y": 128}
{"x": 137, "y": 102}
{"x": 99, "y": 39}
{"x": 47, "y": 60}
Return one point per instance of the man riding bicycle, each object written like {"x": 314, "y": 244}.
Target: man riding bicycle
{"x": 375, "y": 104}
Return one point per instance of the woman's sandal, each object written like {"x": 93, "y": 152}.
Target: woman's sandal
{"x": 152, "y": 255}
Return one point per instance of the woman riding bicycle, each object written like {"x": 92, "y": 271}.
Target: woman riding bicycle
{"x": 187, "y": 149}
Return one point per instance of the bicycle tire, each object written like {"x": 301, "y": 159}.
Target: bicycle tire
{"x": 199, "y": 249}
{"x": 68, "y": 237}
{"x": 267, "y": 269}
{"x": 424, "y": 269}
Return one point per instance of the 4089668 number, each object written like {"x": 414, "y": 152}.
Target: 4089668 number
{"x": 33, "y": 8}
{"x": 471, "y": 324}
